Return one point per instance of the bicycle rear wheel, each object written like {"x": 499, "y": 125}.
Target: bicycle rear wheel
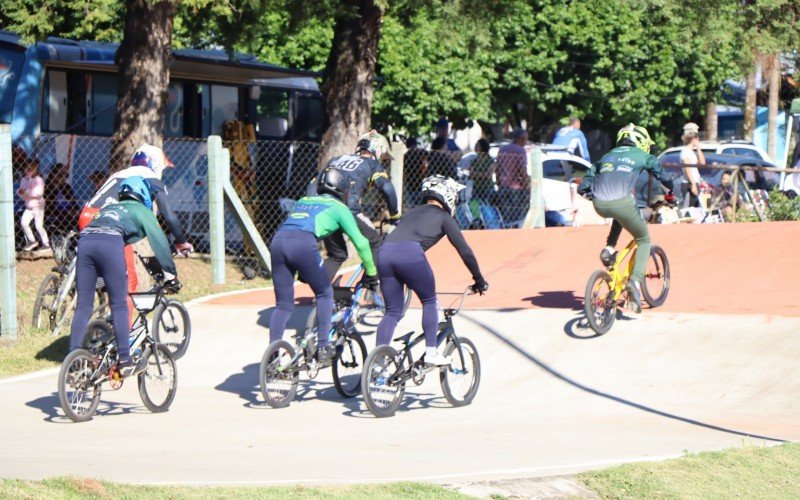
{"x": 159, "y": 380}
{"x": 45, "y": 298}
{"x": 348, "y": 365}
{"x": 278, "y": 381}
{"x": 382, "y": 397}
{"x": 77, "y": 392}
{"x": 656, "y": 277}
{"x": 172, "y": 327}
{"x": 599, "y": 303}
{"x": 460, "y": 380}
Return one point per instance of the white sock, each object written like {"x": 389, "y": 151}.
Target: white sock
{"x": 430, "y": 352}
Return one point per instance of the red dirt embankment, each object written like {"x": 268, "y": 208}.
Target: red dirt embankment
{"x": 724, "y": 268}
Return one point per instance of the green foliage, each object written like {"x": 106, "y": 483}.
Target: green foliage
{"x": 782, "y": 207}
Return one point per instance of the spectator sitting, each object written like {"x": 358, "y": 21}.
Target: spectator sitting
{"x": 31, "y": 190}
{"x": 440, "y": 162}
{"x": 573, "y": 139}
{"x": 481, "y": 172}
{"x": 97, "y": 178}
{"x": 415, "y": 169}
{"x": 62, "y": 211}
{"x": 724, "y": 196}
{"x": 513, "y": 196}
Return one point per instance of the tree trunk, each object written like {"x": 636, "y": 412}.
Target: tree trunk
{"x": 749, "y": 124}
{"x": 349, "y": 75}
{"x": 143, "y": 61}
{"x": 711, "y": 121}
{"x": 774, "y": 80}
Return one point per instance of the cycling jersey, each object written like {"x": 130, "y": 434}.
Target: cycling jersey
{"x": 323, "y": 215}
{"x": 363, "y": 172}
{"x": 426, "y": 224}
{"x": 614, "y": 176}
{"x": 133, "y": 221}
{"x": 109, "y": 193}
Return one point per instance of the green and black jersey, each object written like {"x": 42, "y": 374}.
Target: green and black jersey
{"x": 614, "y": 176}
{"x": 323, "y": 215}
{"x": 134, "y": 221}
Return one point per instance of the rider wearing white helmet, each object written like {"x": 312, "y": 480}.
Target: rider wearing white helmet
{"x": 148, "y": 162}
{"x": 402, "y": 262}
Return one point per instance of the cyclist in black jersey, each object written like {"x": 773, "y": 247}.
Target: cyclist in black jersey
{"x": 402, "y": 262}
{"x": 363, "y": 170}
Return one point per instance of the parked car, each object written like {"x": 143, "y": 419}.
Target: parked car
{"x": 558, "y": 168}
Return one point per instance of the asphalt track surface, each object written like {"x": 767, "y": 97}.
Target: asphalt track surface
{"x": 715, "y": 367}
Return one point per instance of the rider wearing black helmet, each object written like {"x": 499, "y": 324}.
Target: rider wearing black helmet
{"x": 294, "y": 249}
{"x": 363, "y": 170}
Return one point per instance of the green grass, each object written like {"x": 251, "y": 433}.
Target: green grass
{"x": 73, "y": 488}
{"x": 36, "y": 349}
{"x": 747, "y": 472}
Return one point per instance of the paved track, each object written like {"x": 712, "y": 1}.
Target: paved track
{"x": 553, "y": 399}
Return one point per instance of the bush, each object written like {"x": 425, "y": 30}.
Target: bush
{"x": 783, "y": 205}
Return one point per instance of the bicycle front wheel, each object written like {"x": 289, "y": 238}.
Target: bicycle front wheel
{"x": 172, "y": 327}
{"x": 159, "y": 380}
{"x": 77, "y": 392}
{"x": 461, "y": 379}
{"x": 348, "y": 365}
{"x": 656, "y": 277}
{"x": 599, "y": 304}
{"x": 45, "y": 298}
{"x": 277, "y": 378}
{"x": 382, "y": 395}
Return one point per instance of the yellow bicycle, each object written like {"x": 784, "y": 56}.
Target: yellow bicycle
{"x": 606, "y": 287}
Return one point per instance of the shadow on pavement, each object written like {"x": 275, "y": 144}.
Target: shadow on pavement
{"x": 247, "y": 386}
{"x": 564, "y": 378}
{"x": 557, "y": 300}
{"x": 51, "y": 407}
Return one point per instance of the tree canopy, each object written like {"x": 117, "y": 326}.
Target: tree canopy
{"x": 654, "y": 62}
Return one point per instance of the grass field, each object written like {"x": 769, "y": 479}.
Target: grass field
{"x": 36, "y": 349}
{"x": 748, "y": 472}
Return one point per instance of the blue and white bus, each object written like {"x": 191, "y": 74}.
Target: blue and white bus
{"x": 60, "y": 97}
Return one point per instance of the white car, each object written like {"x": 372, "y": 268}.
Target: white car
{"x": 558, "y": 168}
{"x": 733, "y": 147}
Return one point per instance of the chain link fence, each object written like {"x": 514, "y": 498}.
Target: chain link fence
{"x": 266, "y": 174}
{"x": 497, "y": 193}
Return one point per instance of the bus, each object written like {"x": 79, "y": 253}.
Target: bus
{"x": 60, "y": 98}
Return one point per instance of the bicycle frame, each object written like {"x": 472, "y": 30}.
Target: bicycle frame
{"x": 446, "y": 332}
{"x": 621, "y": 274}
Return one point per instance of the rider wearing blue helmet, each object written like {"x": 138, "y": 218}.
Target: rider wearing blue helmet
{"x": 101, "y": 254}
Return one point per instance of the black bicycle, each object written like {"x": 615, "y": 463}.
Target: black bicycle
{"x": 387, "y": 370}
{"x": 282, "y": 362}
{"x": 84, "y": 371}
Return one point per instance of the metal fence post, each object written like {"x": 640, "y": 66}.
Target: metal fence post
{"x": 216, "y": 208}
{"x": 8, "y": 272}
{"x": 398, "y": 151}
{"x": 535, "y": 216}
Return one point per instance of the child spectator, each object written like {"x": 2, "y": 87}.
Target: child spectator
{"x": 31, "y": 190}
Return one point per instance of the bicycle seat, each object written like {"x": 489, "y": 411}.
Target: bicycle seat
{"x": 405, "y": 338}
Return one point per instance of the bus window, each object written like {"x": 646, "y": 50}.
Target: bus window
{"x": 272, "y": 113}
{"x": 224, "y": 106}
{"x": 64, "y": 105}
{"x": 102, "y": 106}
{"x": 173, "y": 122}
{"x": 310, "y": 118}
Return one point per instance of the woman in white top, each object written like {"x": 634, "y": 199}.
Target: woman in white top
{"x": 691, "y": 154}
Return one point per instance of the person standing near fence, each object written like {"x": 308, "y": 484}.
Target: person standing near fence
{"x": 513, "y": 180}
{"x": 481, "y": 173}
{"x": 691, "y": 157}
{"x": 573, "y": 139}
{"x": 31, "y": 190}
